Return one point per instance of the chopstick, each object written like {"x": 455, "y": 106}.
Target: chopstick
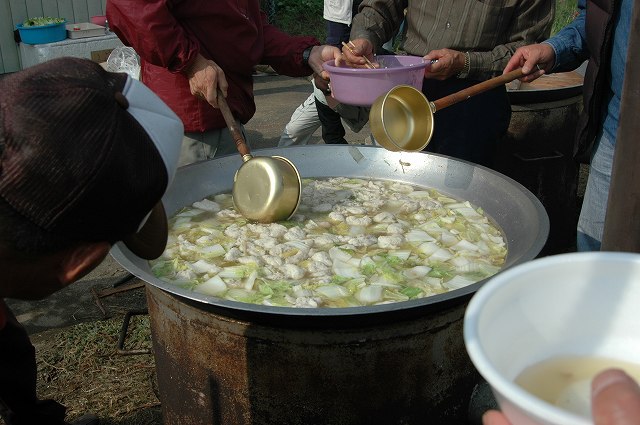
{"x": 350, "y": 45}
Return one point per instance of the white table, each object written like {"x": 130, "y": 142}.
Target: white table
{"x": 32, "y": 54}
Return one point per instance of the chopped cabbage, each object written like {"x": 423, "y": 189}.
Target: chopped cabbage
{"x": 360, "y": 242}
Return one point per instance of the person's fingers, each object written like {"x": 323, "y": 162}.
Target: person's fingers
{"x": 529, "y": 65}
{"x": 205, "y": 78}
{"x": 222, "y": 83}
{"x": 360, "y": 46}
{"x": 355, "y": 50}
{"x": 321, "y": 54}
{"x": 441, "y": 64}
{"x": 206, "y": 85}
{"x": 529, "y": 60}
{"x": 531, "y": 69}
{"x": 511, "y": 65}
{"x": 334, "y": 53}
{"x": 493, "y": 417}
{"x": 211, "y": 96}
{"x": 347, "y": 56}
{"x": 524, "y": 58}
{"x": 322, "y": 83}
{"x": 429, "y": 57}
{"x": 208, "y": 82}
{"x": 615, "y": 399}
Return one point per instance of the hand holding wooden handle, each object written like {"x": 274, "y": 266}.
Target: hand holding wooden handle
{"x": 477, "y": 89}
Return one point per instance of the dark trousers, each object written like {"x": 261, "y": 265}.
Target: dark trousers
{"x": 469, "y": 130}
{"x": 332, "y": 129}
{"x": 19, "y": 403}
{"x": 337, "y": 33}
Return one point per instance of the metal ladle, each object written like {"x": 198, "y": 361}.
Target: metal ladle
{"x": 265, "y": 188}
{"x": 402, "y": 119}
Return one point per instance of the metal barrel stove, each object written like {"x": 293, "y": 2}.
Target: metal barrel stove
{"x": 537, "y": 150}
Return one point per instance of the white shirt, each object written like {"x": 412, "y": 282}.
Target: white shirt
{"x": 338, "y": 11}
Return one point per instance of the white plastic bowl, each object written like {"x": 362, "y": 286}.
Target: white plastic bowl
{"x": 584, "y": 304}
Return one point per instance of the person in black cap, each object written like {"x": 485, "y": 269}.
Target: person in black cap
{"x": 85, "y": 157}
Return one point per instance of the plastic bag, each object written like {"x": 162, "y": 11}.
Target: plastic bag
{"x": 124, "y": 59}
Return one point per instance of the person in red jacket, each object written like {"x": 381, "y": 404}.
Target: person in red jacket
{"x": 191, "y": 49}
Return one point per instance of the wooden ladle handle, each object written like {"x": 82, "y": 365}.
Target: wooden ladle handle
{"x": 232, "y": 125}
{"x": 482, "y": 87}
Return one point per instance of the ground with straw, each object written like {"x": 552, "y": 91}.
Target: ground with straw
{"x": 81, "y": 368}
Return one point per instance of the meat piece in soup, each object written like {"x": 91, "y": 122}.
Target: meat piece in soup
{"x": 352, "y": 242}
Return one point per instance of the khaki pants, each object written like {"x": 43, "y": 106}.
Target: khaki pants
{"x": 208, "y": 145}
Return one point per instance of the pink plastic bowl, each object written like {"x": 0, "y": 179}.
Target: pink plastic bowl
{"x": 362, "y": 86}
{"x": 99, "y": 20}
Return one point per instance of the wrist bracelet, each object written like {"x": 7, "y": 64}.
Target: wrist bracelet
{"x": 467, "y": 66}
{"x": 305, "y": 55}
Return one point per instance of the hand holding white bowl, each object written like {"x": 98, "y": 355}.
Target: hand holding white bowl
{"x": 615, "y": 401}
{"x": 539, "y": 332}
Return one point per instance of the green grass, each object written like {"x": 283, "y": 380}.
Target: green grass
{"x": 565, "y": 12}
{"x": 297, "y": 17}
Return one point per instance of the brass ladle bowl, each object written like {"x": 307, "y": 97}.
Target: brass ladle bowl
{"x": 266, "y": 188}
{"x": 402, "y": 118}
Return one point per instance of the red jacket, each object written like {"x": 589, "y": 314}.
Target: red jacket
{"x": 168, "y": 34}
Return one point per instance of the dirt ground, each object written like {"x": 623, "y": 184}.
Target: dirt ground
{"x": 77, "y": 331}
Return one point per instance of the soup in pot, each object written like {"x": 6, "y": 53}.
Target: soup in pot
{"x": 352, "y": 242}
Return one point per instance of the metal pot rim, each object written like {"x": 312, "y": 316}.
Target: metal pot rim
{"x": 509, "y": 204}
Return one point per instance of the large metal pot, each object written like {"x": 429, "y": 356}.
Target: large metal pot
{"x": 226, "y": 362}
